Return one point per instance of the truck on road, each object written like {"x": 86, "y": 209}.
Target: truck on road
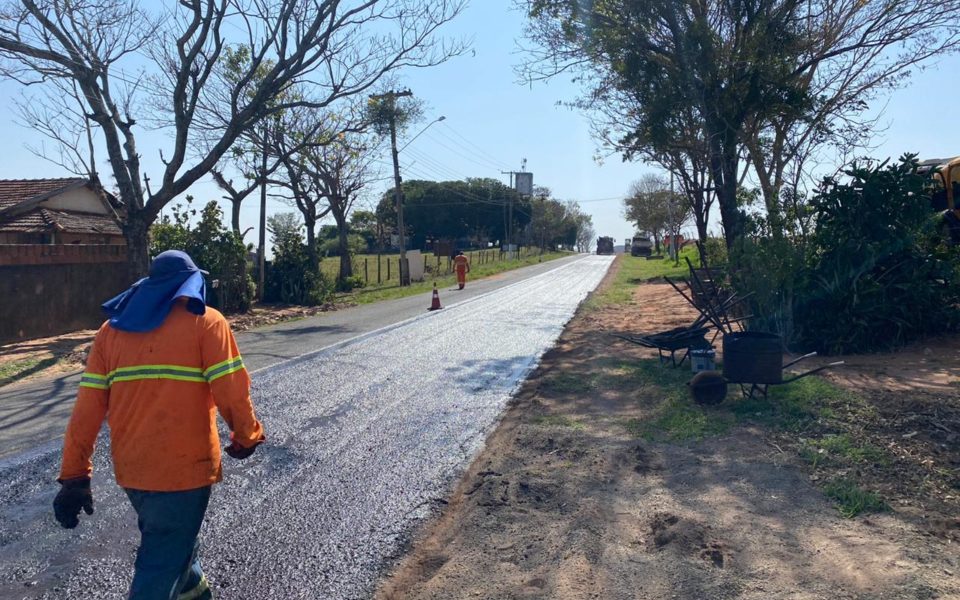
{"x": 605, "y": 245}
{"x": 641, "y": 246}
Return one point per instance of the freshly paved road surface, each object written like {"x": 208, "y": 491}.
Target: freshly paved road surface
{"x": 364, "y": 439}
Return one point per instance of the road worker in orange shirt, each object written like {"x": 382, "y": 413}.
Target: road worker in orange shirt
{"x": 462, "y": 265}
{"x": 159, "y": 370}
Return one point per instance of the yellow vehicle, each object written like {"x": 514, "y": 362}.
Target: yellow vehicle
{"x": 946, "y": 194}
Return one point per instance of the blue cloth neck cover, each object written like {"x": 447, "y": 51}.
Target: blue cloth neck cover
{"x": 145, "y": 304}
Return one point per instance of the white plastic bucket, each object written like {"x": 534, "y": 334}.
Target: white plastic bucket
{"x": 701, "y": 359}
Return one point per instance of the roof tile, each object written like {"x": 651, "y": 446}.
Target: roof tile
{"x": 15, "y": 191}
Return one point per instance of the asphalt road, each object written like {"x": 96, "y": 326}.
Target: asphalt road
{"x": 366, "y": 438}
{"x": 35, "y": 413}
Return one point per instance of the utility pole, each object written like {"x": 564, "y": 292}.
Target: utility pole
{"x": 261, "y": 251}
{"x": 509, "y": 228}
{"x": 391, "y": 97}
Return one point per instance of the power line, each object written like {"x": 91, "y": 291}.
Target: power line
{"x": 437, "y": 166}
{"x": 489, "y": 165}
{"x": 600, "y": 199}
{"x": 478, "y": 150}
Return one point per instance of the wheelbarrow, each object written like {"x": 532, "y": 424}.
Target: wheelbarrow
{"x": 754, "y": 359}
{"x": 668, "y": 343}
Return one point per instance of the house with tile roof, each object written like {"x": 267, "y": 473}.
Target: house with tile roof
{"x": 58, "y": 211}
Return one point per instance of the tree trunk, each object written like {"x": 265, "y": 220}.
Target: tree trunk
{"x": 135, "y": 231}
{"x": 235, "y": 214}
{"x": 701, "y": 222}
{"x": 346, "y": 265}
{"x": 312, "y": 254}
{"x": 770, "y": 189}
{"x": 723, "y": 170}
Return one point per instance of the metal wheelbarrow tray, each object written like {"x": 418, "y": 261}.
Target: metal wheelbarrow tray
{"x": 752, "y": 358}
{"x": 672, "y": 340}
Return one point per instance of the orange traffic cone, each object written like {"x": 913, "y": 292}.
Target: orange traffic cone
{"x": 435, "y": 304}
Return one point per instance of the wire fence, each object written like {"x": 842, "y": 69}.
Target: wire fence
{"x": 384, "y": 269}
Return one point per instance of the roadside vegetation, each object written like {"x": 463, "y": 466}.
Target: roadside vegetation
{"x": 634, "y": 270}
{"x": 815, "y": 421}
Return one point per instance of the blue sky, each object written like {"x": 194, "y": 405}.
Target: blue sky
{"x": 492, "y": 123}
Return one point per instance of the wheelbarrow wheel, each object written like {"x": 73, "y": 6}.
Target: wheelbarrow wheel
{"x": 708, "y": 388}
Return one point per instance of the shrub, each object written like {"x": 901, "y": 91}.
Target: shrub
{"x": 771, "y": 270}
{"x": 290, "y": 277}
{"x": 877, "y": 273}
{"x": 716, "y": 251}
{"x": 348, "y": 284}
{"x": 356, "y": 244}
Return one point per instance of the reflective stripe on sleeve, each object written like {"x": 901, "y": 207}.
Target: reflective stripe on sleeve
{"x": 95, "y": 381}
{"x": 231, "y": 365}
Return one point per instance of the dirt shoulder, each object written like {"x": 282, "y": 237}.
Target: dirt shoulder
{"x": 605, "y": 481}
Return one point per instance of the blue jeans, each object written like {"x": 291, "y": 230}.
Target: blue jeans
{"x": 167, "y": 564}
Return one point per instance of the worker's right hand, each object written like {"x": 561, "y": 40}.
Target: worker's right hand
{"x": 238, "y": 452}
{"x": 74, "y": 494}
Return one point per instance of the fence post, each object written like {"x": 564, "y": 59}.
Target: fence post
{"x": 366, "y": 276}
{"x": 388, "y": 268}
{"x": 379, "y": 260}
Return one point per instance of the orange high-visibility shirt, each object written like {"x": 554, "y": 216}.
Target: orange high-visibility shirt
{"x": 461, "y": 263}
{"x": 160, "y": 391}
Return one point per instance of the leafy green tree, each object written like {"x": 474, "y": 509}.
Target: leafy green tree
{"x": 474, "y": 209}
{"x": 721, "y": 63}
{"x": 654, "y": 209}
{"x": 366, "y": 224}
{"x": 291, "y": 277}
{"x": 557, "y": 223}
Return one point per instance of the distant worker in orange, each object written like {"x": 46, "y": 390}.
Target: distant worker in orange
{"x": 159, "y": 370}
{"x": 462, "y": 264}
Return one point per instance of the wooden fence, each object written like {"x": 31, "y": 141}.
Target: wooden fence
{"x": 49, "y": 289}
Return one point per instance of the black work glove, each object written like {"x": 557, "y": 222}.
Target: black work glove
{"x": 238, "y": 452}
{"x": 74, "y": 494}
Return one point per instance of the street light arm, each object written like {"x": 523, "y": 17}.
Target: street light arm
{"x": 437, "y": 120}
